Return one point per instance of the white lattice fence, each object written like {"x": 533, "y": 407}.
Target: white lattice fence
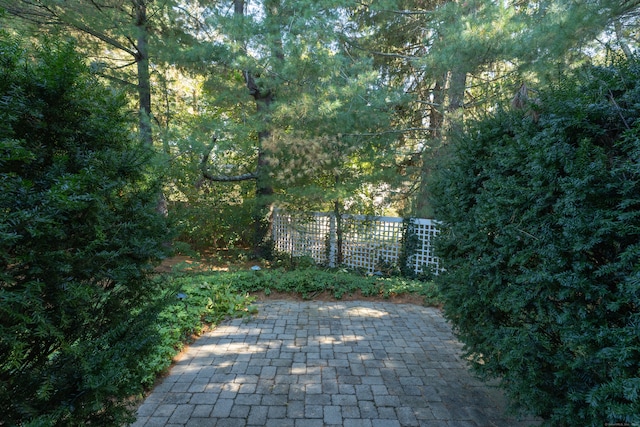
{"x": 366, "y": 241}
{"x": 303, "y": 234}
{"x": 423, "y": 257}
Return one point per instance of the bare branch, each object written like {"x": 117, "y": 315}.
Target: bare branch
{"x": 431, "y": 104}
{"x": 618, "y": 109}
{"x": 222, "y": 178}
{"x": 385, "y": 132}
{"x": 226, "y": 178}
{"x": 117, "y": 80}
{"x": 386, "y": 54}
{"x": 400, "y": 12}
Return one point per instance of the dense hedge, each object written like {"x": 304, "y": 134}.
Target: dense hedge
{"x": 78, "y": 229}
{"x": 541, "y": 243}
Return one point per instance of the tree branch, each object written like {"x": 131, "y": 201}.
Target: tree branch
{"x": 392, "y": 131}
{"x": 116, "y": 80}
{"x": 386, "y": 54}
{"x": 226, "y": 178}
{"x": 222, "y": 178}
{"x": 41, "y": 14}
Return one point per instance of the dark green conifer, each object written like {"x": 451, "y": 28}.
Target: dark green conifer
{"x": 78, "y": 234}
{"x": 540, "y": 242}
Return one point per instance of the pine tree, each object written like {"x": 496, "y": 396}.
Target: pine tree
{"x": 458, "y": 59}
{"x": 320, "y": 118}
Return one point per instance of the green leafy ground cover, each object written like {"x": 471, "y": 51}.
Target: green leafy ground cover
{"x": 310, "y": 282}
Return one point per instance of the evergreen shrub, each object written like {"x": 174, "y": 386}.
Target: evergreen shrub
{"x": 541, "y": 245}
{"x": 78, "y": 230}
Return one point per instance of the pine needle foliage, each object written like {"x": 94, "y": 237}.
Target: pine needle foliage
{"x": 78, "y": 230}
{"x": 541, "y": 245}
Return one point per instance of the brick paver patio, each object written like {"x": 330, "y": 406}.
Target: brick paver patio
{"x": 306, "y": 364}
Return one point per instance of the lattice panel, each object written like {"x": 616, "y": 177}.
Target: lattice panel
{"x": 302, "y": 236}
{"x": 367, "y": 241}
{"x": 424, "y": 258}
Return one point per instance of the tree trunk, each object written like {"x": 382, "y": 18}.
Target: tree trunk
{"x": 144, "y": 87}
{"x": 339, "y": 233}
{"x": 620, "y": 36}
{"x": 422, "y": 207}
{"x": 264, "y": 191}
{"x": 457, "y": 87}
{"x": 144, "y": 76}
{"x": 261, "y": 215}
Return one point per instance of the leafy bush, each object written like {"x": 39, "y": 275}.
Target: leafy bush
{"x": 78, "y": 232}
{"x": 211, "y": 219}
{"x": 541, "y": 246}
